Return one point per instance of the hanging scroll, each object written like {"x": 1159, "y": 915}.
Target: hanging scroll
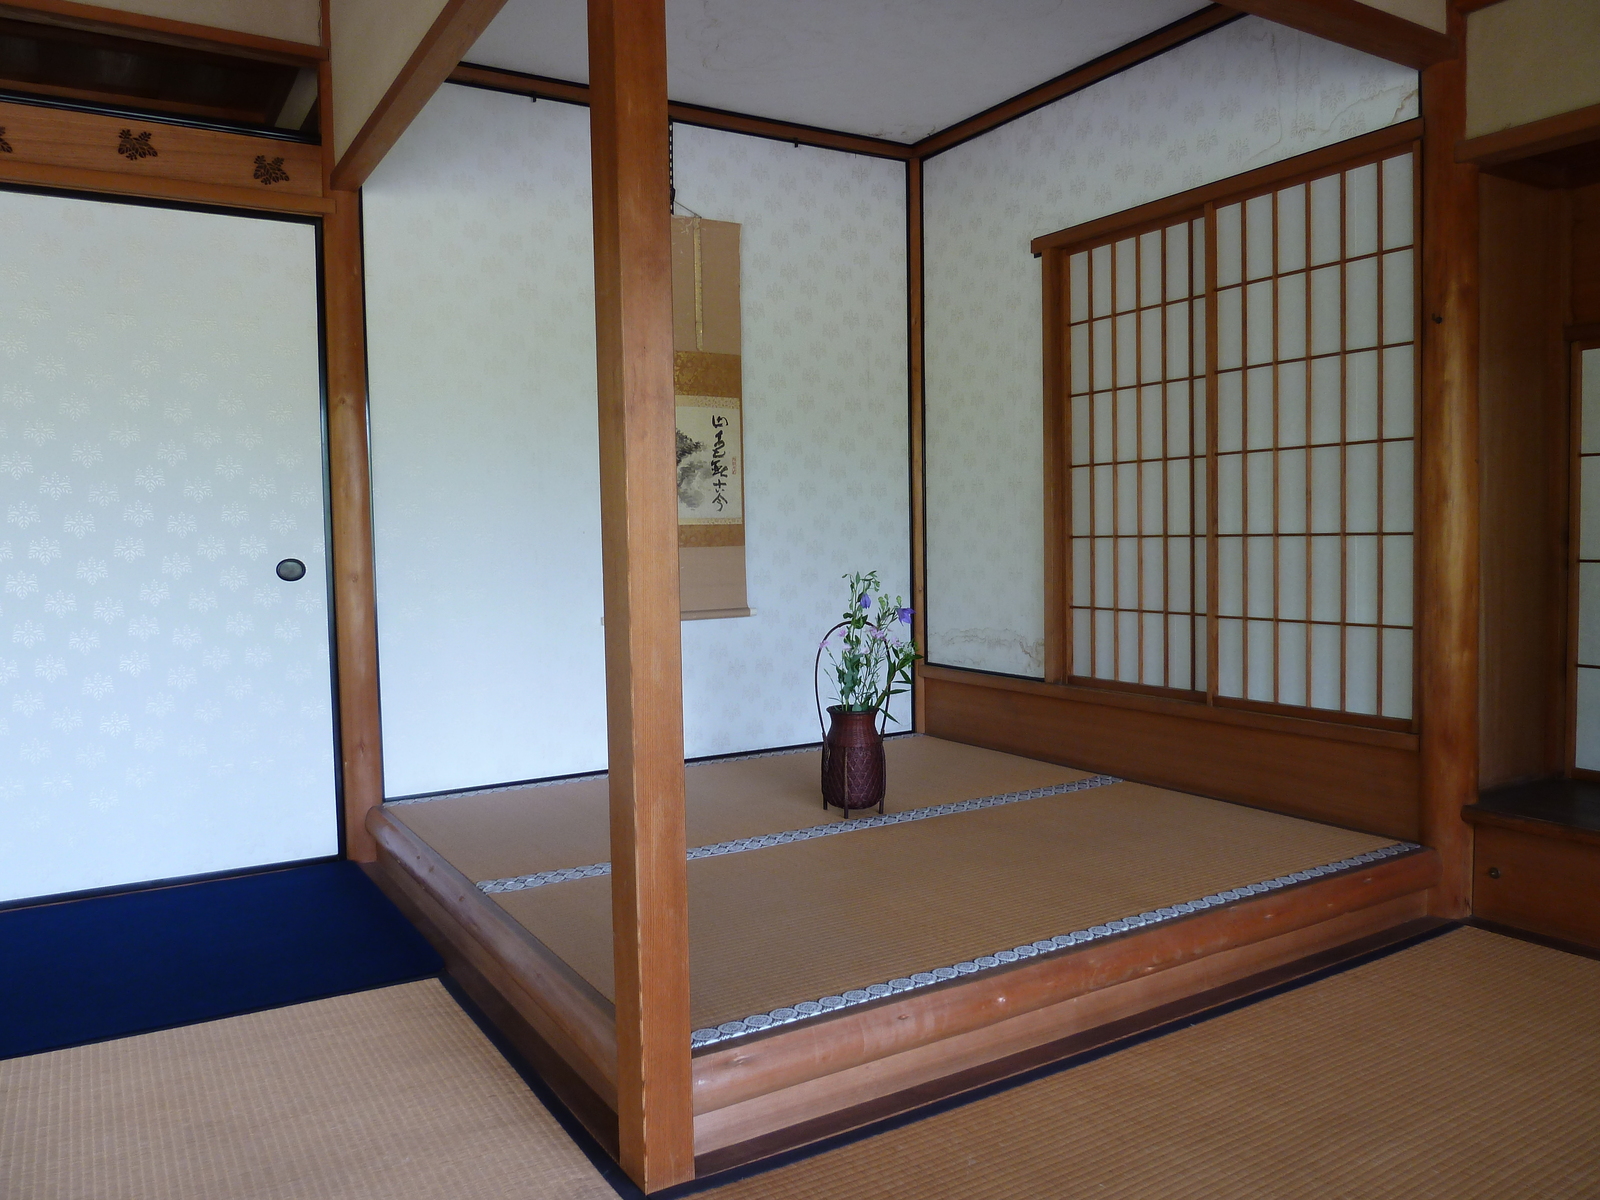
{"x": 707, "y": 381}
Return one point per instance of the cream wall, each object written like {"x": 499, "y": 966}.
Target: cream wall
{"x": 291, "y": 20}
{"x": 1531, "y": 59}
{"x": 484, "y": 435}
{"x": 369, "y": 42}
{"x": 1246, "y": 95}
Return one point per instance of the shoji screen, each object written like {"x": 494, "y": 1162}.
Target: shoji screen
{"x": 160, "y": 453}
{"x": 1136, "y": 320}
{"x": 1284, "y": 507}
{"x": 1316, "y": 393}
{"x": 1586, "y": 745}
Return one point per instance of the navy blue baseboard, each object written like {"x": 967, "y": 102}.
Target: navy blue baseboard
{"x": 108, "y": 966}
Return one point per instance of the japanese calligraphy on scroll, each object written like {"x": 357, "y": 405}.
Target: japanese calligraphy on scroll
{"x": 708, "y": 382}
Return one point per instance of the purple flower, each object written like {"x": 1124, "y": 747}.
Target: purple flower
{"x": 866, "y": 600}
{"x": 905, "y": 616}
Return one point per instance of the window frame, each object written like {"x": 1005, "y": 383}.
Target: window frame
{"x": 1202, "y": 204}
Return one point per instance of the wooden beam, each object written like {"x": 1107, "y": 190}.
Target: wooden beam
{"x": 355, "y": 604}
{"x": 1077, "y": 79}
{"x": 98, "y": 19}
{"x": 639, "y": 551}
{"x": 452, "y": 33}
{"x": 1057, "y": 548}
{"x": 917, "y": 428}
{"x": 1559, "y": 132}
{"x": 1359, "y": 26}
{"x": 1447, "y": 568}
{"x": 497, "y": 80}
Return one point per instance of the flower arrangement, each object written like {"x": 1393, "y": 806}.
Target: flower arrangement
{"x": 871, "y": 662}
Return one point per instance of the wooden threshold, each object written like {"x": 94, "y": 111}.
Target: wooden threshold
{"x": 564, "y": 1010}
{"x": 747, "y": 1092}
{"x": 1076, "y": 1044}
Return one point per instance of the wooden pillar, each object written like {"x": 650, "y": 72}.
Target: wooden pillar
{"x": 639, "y": 536}
{"x": 1447, "y": 528}
{"x": 354, "y": 599}
{"x": 916, "y": 430}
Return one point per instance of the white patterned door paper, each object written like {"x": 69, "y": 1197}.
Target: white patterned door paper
{"x": 167, "y": 698}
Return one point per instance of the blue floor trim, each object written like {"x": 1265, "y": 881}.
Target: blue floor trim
{"x": 108, "y": 966}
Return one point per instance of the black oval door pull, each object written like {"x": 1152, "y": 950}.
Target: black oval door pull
{"x": 291, "y": 569}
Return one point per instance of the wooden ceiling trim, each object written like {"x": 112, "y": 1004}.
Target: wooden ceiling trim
{"x": 1078, "y": 78}
{"x": 98, "y": 19}
{"x": 518, "y": 83}
{"x": 1559, "y": 132}
{"x": 457, "y": 26}
{"x": 57, "y": 147}
{"x": 1360, "y": 27}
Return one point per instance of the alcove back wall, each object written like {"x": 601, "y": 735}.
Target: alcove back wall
{"x": 1244, "y": 96}
{"x": 480, "y": 314}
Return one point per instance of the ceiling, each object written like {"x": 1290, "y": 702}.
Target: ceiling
{"x": 897, "y": 69}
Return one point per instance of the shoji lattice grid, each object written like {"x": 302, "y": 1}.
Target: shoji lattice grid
{"x": 1286, "y": 511}
{"x": 1137, "y": 439}
{"x": 1586, "y": 744}
{"x": 1316, "y": 400}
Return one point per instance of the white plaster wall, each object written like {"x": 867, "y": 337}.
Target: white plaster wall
{"x": 1249, "y": 94}
{"x": 484, "y": 435}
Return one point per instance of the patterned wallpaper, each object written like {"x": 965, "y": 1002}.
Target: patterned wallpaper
{"x": 1246, "y": 95}
{"x": 485, "y": 466}
{"x": 168, "y": 702}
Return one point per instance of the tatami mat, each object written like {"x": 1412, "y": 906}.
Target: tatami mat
{"x": 1464, "y": 1068}
{"x": 796, "y": 922}
{"x": 496, "y": 835}
{"x": 391, "y": 1094}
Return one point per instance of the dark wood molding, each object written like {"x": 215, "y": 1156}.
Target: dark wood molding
{"x": 639, "y": 558}
{"x": 355, "y": 605}
{"x": 498, "y": 80}
{"x": 1471, "y": 6}
{"x": 1278, "y": 174}
{"x": 1448, "y": 585}
{"x": 1302, "y": 768}
{"x": 1536, "y": 137}
{"x": 1589, "y": 331}
{"x": 1475, "y": 814}
{"x": 451, "y": 35}
{"x": 98, "y": 19}
{"x": 1359, "y": 26}
{"x": 916, "y": 439}
{"x": 1078, "y": 78}
{"x": 1331, "y": 730}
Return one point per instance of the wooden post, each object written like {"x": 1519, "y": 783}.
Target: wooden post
{"x": 354, "y": 599}
{"x": 916, "y": 431}
{"x": 1447, "y": 529}
{"x": 639, "y": 536}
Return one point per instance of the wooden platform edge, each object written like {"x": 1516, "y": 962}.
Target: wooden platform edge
{"x": 1143, "y": 1021}
{"x": 587, "y": 1105}
{"x": 566, "y": 1013}
{"x": 756, "y": 1087}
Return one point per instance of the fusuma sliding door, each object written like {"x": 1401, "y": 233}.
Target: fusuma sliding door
{"x": 163, "y": 627}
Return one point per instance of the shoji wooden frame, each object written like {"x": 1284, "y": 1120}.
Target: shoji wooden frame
{"x": 1587, "y": 340}
{"x": 1075, "y": 305}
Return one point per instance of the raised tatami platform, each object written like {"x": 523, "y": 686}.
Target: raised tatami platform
{"x": 1002, "y": 904}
